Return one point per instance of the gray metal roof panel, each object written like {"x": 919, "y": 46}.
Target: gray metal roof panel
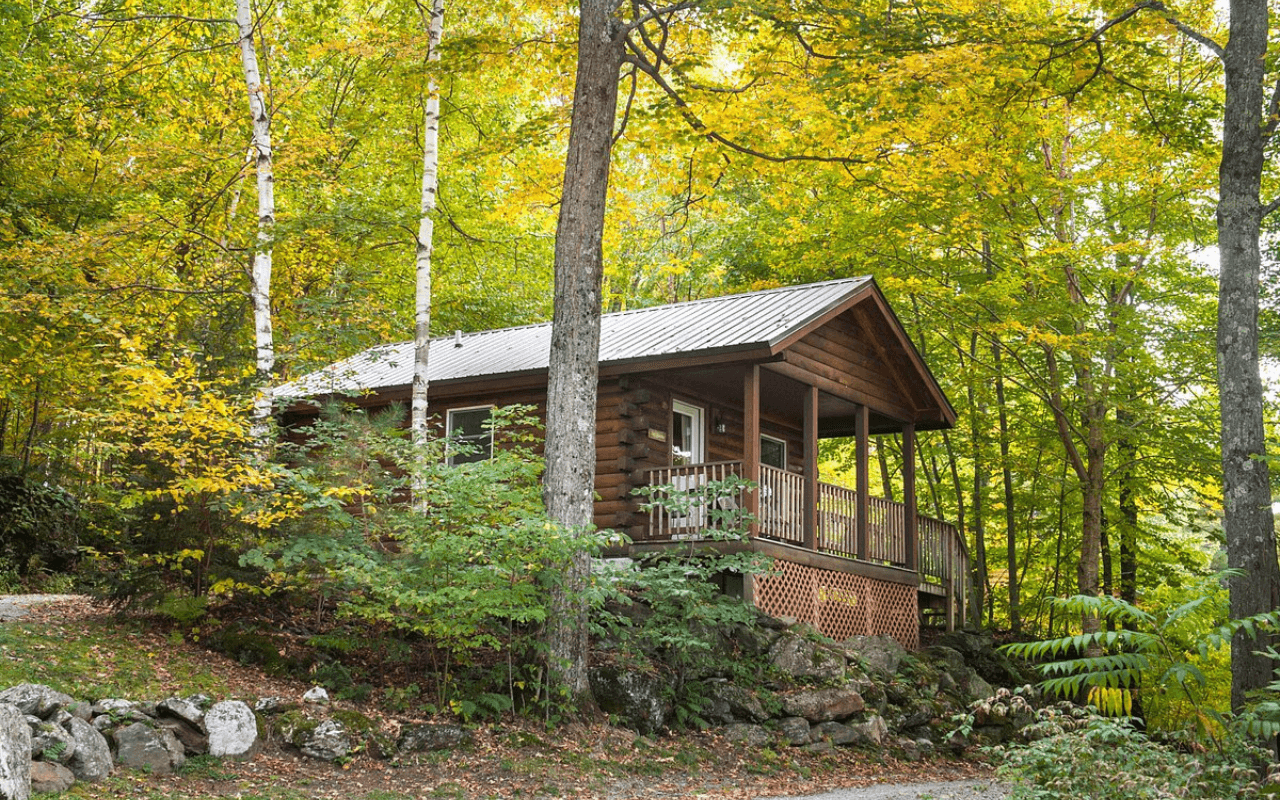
{"x": 698, "y": 326}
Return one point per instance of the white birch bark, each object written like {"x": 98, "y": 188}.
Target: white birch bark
{"x": 426, "y": 228}
{"x": 260, "y": 276}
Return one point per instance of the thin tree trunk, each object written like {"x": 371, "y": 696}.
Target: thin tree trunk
{"x": 426, "y": 226}
{"x": 886, "y": 478}
{"x": 1006, "y": 474}
{"x": 260, "y": 276}
{"x": 1246, "y": 494}
{"x": 982, "y": 582}
{"x": 575, "y": 333}
{"x": 1128, "y": 502}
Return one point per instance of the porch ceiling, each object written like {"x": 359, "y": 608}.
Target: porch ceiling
{"x": 780, "y": 397}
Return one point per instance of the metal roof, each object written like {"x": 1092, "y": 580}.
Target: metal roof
{"x": 696, "y": 327}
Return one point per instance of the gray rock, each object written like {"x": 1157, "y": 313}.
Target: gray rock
{"x": 51, "y": 742}
{"x": 139, "y": 746}
{"x": 740, "y": 703}
{"x": 794, "y": 730}
{"x": 92, "y": 758}
{"x": 81, "y": 709}
{"x": 976, "y": 687}
{"x": 35, "y": 698}
{"x": 270, "y": 705}
{"x": 748, "y": 734}
{"x": 50, "y": 778}
{"x": 149, "y": 708}
{"x": 15, "y": 754}
{"x": 870, "y": 733}
{"x": 834, "y": 732}
{"x": 428, "y": 736}
{"x": 823, "y": 705}
{"x": 114, "y": 706}
{"x": 327, "y": 741}
{"x": 637, "y": 698}
{"x": 185, "y": 710}
{"x": 802, "y": 658}
{"x": 880, "y": 654}
{"x": 194, "y": 742}
{"x": 316, "y": 694}
{"x": 233, "y": 730}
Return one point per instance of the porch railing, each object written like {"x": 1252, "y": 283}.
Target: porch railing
{"x": 943, "y": 558}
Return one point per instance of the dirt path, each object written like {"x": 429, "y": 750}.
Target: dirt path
{"x": 941, "y": 790}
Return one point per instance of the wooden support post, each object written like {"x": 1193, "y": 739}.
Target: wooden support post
{"x": 811, "y": 467}
{"x": 862, "y": 430}
{"x": 911, "y": 525}
{"x": 751, "y": 442}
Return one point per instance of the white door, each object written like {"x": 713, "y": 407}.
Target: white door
{"x": 688, "y": 436}
{"x": 688, "y": 446}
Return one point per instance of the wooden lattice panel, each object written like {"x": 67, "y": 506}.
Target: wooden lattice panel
{"x": 840, "y": 604}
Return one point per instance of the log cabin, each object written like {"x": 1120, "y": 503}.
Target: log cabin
{"x": 741, "y": 385}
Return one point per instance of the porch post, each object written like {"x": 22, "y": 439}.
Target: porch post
{"x": 751, "y": 442}
{"x": 862, "y": 427}
{"x": 911, "y": 527}
{"x": 811, "y": 467}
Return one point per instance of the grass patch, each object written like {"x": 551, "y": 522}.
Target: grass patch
{"x": 95, "y": 658}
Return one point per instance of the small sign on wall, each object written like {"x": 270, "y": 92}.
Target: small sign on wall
{"x": 657, "y": 435}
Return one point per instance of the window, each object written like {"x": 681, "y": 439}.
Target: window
{"x": 470, "y": 427}
{"x": 773, "y": 452}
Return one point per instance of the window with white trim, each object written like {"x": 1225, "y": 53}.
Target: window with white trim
{"x": 773, "y": 452}
{"x": 470, "y": 428}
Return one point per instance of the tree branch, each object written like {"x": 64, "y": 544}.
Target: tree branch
{"x": 638, "y": 60}
{"x": 655, "y": 13}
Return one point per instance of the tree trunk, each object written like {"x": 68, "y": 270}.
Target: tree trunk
{"x": 575, "y": 333}
{"x": 260, "y": 275}
{"x": 1246, "y": 496}
{"x": 426, "y": 227}
{"x": 1006, "y": 474}
{"x": 1128, "y": 502}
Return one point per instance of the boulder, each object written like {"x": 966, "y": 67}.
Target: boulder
{"x": 51, "y": 742}
{"x": 194, "y": 742}
{"x": 733, "y": 703}
{"x": 81, "y": 709}
{"x": 316, "y": 694}
{"x": 823, "y": 705}
{"x": 748, "y": 734}
{"x": 140, "y": 746}
{"x": 185, "y": 710}
{"x": 637, "y": 698}
{"x": 36, "y": 699}
{"x": 92, "y": 758}
{"x": 49, "y": 778}
{"x": 880, "y": 654}
{"x": 15, "y": 754}
{"x": 834, "y": 732}
{"x": 870, "y": 733}
{"x": 232, "y": 729}
{"x": 794, "y": 730}
{"x": 429, "y": 736}
{"x": 980, "y": 653}
{"x": 328, "y": 741}
{"x": 802, "y": 658}
{"x": 114, "y": 706}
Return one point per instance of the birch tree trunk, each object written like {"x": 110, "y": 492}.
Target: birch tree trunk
{"x": 260, "y": 274}
{"x": 1246, "y": 493}
{"x": 575, "y": 332}
{"x": 426, "y": 228}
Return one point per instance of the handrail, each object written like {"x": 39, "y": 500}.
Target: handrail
{"x": 941, "y": 551}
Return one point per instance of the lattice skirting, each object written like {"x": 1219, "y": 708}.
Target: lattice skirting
{"x": 839, "y": 604}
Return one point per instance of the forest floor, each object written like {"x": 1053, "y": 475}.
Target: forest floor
{"x": 90, "y": 653}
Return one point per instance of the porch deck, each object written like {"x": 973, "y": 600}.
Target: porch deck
{"x": 941, "y": 557}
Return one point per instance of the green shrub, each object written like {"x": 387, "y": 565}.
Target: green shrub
{"x": 686, "y": 612}
{"x": 1109, "y": 760}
